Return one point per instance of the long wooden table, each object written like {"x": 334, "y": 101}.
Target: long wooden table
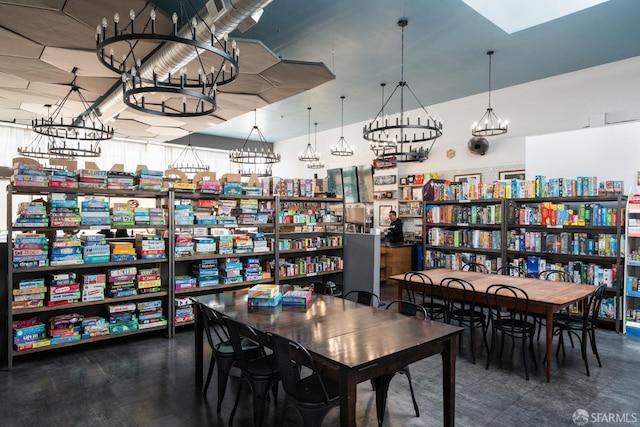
{"x": 353, "y": 342}
{"x": 545, "y": 297}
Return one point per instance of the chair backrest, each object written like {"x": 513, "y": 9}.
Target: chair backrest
{"x": 592, "y": 313}
{"x": 555, "y": 275}
{"x": 289, "y": 356}
{"x": 363, "y": 297}
{"x": 510, "y": 270}
{"x": 418, "y": 292}
{"x": 409, "y": 309}
{"x": 476, "y": 267}
{"x": 458, "y": 295}
{"x": 237, "y": 331}
{"x": 213, "y": 325}
{"x": 507, "y": 304}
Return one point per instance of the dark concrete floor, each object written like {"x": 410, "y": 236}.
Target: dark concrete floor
{"x": 150, "y": 382}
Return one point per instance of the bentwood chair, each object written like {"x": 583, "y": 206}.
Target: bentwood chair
{"x": 382, "y": 383}
{"x": 222, "y": 352}
{"x": 556, "y": 276}
{"x": 509, "y": 310}
{"x": 510, "y": 270}
{"x": 460, "y": 303}
{"x": 311, "y": 395}
{"x": 475, "y": 267}
{"x": 420, "y": 290}
{"x": 363, "y": 297}
{"x": 261, "y": 374}
{"x": 585, "y": 325}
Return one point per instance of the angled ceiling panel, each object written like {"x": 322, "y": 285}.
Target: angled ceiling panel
{"x": 27, "y": 97}
{"x": 34, "y": 70}
{"x": 296, "y": 74}
{"x": 255, "y": 57}
{"x": 9, "y": 103}
{"x": 195, "y": 124}
{"x": 15, "y": 45}
{"x": 10, "y": 81}
{"x": 42, "y": 4}
{"x": 247, "y": 84}
{"x": 48, "y": 27}
{"x": 91, "y": 13}
{"x": 85, "y": 61}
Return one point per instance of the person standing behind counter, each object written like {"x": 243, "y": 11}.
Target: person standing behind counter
{"x": 394, "y": 233}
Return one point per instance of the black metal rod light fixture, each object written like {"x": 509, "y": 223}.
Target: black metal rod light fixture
{"x": 39, "y": 149}
{"x": 183, "y": 91}
{"x": 401, "y": 130}
{"x": 309, "y": 154}
{"x": 258, "y": 162}
{"x": 490, "y": 124}
{"x": 316, "y": 164}
{"x": 188, "y": 161}
{"x": 73, "y": 136}
{"x": 342, "y": 148}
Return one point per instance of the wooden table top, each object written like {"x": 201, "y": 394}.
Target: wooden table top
{"x": 343, "y": 331}
{"x": 538, "y": 290}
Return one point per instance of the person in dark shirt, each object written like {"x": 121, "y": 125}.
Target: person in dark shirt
{"x": 395, "y": 234}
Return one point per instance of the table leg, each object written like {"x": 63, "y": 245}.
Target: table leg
{"x": 449, "y": 380}
{"x": 198, "y": 345}
{"x": 348, "y": 397}
{"x": 401, "y": 285}
{"x": 549, "y": 320}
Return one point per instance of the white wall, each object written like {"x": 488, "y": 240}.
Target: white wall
{"x": 556, "y": 104}
{"x": 613, "y": 151}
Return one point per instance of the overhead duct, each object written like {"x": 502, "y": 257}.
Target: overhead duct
{"x": 224, "y": 14}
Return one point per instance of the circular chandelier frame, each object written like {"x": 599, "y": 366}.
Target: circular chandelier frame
{"x": 168, "y": 92}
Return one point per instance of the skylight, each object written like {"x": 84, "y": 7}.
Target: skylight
{"x": 512, "y": 16}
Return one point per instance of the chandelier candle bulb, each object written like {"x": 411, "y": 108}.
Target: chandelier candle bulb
{"x": 132, "y": 15}
{"x": 116, "y": 21}
{"x": 152, "y": 14}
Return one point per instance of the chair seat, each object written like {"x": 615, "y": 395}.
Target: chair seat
{"x": 225, "y": 347}
{"x": 309, "y": 391}
{"x": 265, "y": 366}
{"x": 516, "y": 327}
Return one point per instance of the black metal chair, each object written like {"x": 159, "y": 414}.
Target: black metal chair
{"x": 460, "y": 304}
{"x": 586, "y": 324}
{"x": 261, "y": 374}
{"x": 222, "y": 351}
{"x": 382, "y": 383}
{"x": 555, "y": 276}
{"x": 475, "y": 267}
{"x": 509, "y": 310}
{"x": 423, "y": 292}
{"x": 510, "y": 270}
{"x": 363, "y": 297}
{"x": 313, "y": 395}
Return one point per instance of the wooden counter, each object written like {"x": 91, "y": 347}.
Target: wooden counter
{"x": 395, "y": 259}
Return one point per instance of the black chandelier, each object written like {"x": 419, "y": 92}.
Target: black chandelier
{"x": 74, "y": 148}
{"x": 489, "y": 124}
{"x": 86, "y": 127}
{"x": 399, "y": 152}
{"x": 258, "y": 162}
{"x": 397, "y": 134}
{"x": 188, "y": 161}
{"x": 174, "y": 90}
{"x": 342, "y": 148}
{"x": 309, "y": 154}
{"x": 316, "y": 164}
{"x": 39, "y": 149}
